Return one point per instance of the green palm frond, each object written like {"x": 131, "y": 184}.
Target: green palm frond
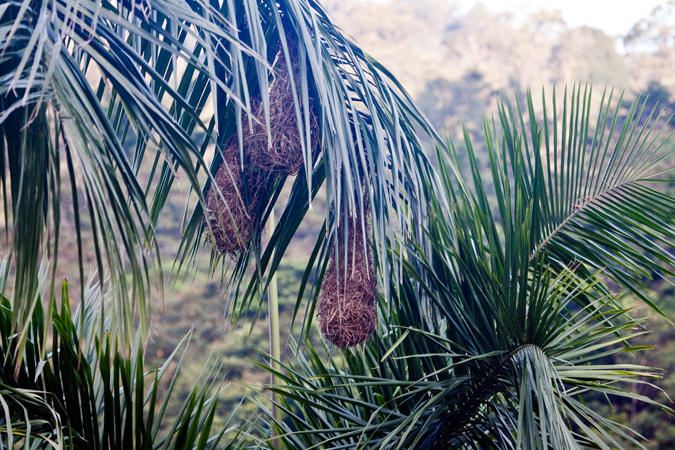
{"x": 88, "y": 393}
{"x": 589, "y": 183}
{"x": 491, "y": 339}
{"x": 371, "y": 156}
{"x": 168, "y": 81}
{"x": 411, "y": 388}
{"x": 81, "y": 82}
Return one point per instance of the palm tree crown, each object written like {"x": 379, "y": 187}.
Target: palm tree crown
{"x": 498, "y": 334}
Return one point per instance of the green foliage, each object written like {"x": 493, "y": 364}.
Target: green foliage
{"x": 371, "y": 158}
{"x": 591, "y": 56}
{"x": 652, "y": 423}
{"x": 198, "y": 304}
{"x": 89, "y": 393}
{"x": 171, "y": 83}
{"x": 118, "y": 99}
{"x": 503, "y": 327}
{"x": 450, "y": 104}
{"x": 496, "y": 323}
{"x": 80, "y": 81}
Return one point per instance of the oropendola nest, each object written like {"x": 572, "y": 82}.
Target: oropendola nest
{"x": 283, "y": 153}
{"x": 233, "y": 214}
{"x": 347, "y": 309}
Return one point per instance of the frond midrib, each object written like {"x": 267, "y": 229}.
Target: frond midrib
{"x": 576, "y": 212}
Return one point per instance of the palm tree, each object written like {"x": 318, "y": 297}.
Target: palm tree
{"x": 500, "y": 331}
{"x": 491, "y": 318}
{"x": 91, "y": 392}
{"x": 108, "y": 90}
{"x": 104, "y": 104}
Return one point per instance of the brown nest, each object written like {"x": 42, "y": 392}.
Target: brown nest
{"x": 283, "y": 154}
{"x": 233, "y": 214}
{"x": 347, "y": 310}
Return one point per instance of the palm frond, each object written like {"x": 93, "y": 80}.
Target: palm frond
{"x": 371, "y": 157}
{"x": 414, "y": 389}
{"x": 590, "y": 184}
{"x": 489, "y": 340}
{"x": 81, "y": 82}
{"x": 88, "y": 393}
{"x": 175, "y": 79}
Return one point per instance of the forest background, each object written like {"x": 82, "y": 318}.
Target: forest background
{"x": 456, "y": 66}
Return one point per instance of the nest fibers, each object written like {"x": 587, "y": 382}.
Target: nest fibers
{"x": 347, "y": 310}
{"x": 283, "y": 153}
{"x": 232, "y": 214}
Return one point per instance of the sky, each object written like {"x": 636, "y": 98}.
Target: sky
{"x": 614, "y": 17}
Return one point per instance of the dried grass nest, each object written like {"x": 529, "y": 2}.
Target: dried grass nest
{"x": 232, "y": 215}
{"x": 283, "y": 153}
{"x": 347, "y": 309}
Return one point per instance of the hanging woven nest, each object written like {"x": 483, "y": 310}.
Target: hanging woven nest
{"x": 347, "y": 309}
{"x": 232, "y": 215}
{"x": 283, "y": 154}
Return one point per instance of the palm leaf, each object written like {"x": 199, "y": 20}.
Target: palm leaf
{"x": 490, "y": 340}
{"x": 86, "y": 393}
{"x": 76, "y": 78}
{"x": 591, "y": 185}
{"x": 410, "y": 388}
{"x": 371, "y": 156}
{"x": 108, "y": 77}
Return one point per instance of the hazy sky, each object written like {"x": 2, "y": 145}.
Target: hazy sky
{"x": 613, "y": 17}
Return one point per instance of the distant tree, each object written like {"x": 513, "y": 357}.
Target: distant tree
{"x": 448, "y": 104}
{"x": 505, "y": 56}
{"x": 655, "y": 33}
{"x": 659, "y": 96}
{"x": 650, "y": 47}
{"x": 588, "y": 54}
{"x": 407, "y": 35}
